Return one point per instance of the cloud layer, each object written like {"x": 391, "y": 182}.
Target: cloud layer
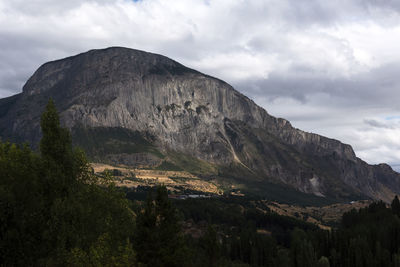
{"x": 330, "y": 67}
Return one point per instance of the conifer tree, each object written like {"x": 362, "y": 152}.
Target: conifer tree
{"x": 55, "y": 145}
{"x": 57, "y": 155}
{"x": 323, "y": 262}
{"x": 159, "y": 240}
{"x": 54, "y": 212}
{"x": 396, "y": 206}
{"x": 302, "y": 250}
{"x": 211, "y": 246}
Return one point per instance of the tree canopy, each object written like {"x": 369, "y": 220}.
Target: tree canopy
{"x": 54, "y": 211}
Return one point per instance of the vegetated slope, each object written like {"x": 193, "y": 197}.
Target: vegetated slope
{"x": 129, "y": 106}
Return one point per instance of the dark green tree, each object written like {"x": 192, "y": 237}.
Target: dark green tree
{"x": 302, "y": 250}
{"x": 396, "y": 206}
{"x": 22, "y": 212}
{"x": 54, "y": 212}
{"x": 323, "y": 262}
{"x": 86, "y": 215}
{"x": 159, "y": 240}
{"x": 360, "y": 254}
{"x": 55, "y": 145}
{"x": 211, "y": 246}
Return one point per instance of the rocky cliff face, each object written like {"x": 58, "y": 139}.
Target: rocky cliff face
{"x": 168, "y": 108}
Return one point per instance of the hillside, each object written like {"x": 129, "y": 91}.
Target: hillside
{"x": 138, "y": 109}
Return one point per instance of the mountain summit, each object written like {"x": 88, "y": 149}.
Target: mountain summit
{"x": 136, "y": 108}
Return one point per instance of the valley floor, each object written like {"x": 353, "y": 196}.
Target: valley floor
{"x": 184, "y": 185}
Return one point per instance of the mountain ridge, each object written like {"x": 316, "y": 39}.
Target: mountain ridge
{"x": 180, "y": 109}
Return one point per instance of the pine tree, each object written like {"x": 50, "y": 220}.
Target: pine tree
{"x": 396, "y": 206}
{"x": 57, "y": 155}
{"x": 323, "y": 262}
{"x": 53, "y": 211}
{"x": 55, "y": 145}
{"x": 21, "y": 206}
{"x": 302, "y": 250}
{"x": 211, "y": 246}
{"x": 159, "y": 239}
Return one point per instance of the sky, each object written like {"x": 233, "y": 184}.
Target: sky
{"x": 329, "y": 67}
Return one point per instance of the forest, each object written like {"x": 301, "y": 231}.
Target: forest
{"x": 55, "y": 212}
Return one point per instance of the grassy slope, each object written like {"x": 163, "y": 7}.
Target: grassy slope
{"x": 267, "y": 150}
{"x": 101, "y": 141}
{"x": 98, "y": 142}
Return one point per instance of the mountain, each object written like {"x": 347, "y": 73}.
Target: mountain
{"x": 130, "y": 107}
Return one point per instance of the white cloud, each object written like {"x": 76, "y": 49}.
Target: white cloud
{"x": 331, "y": 67}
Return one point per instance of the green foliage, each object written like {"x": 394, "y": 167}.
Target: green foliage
{"x": 55, "y": 145}
{"x": 396, "y": 206}
{"x": 192, "y": 164}
{"x": 159, "y": 240}
{"x": 302, "y": 250}
{"x": 22, "y": 200}
{"x": 168, "y": 166}
{"x": 102, "y": 141}
{"x": 101, "y": 253}
{"x": 368, "y": 237}
{"x": 54, "y": 211}
{"x": 211, "y": 246}
{"x": 253, "y": 188}
{"x": 323, "y": 262}
{"x": 231, "y": 237}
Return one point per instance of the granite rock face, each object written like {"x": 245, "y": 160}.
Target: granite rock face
{"x": 179, "y": 109}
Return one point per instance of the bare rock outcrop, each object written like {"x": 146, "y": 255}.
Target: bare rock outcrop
{"x": 173, "y": 108}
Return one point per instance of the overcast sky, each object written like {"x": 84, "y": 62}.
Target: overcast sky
{"x": 330, "y": 67}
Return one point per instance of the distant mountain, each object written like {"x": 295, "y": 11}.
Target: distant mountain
{"x": 135, "y": 108}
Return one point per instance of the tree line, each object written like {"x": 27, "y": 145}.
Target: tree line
{"x": 55, "y": 212}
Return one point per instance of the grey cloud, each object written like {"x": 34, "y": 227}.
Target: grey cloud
{"x": 50, "y": 7}
{"x": 378, "y": 87}
{"x": 396, "y": 167}
{"x": 385, "y": 4}
{"x": 244, "y": 20}
{"x": 378, "y": 124}
{"x": 17, "y": 62}
{"x": 321, "y": 95}
{"x": 299, "y": 13}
